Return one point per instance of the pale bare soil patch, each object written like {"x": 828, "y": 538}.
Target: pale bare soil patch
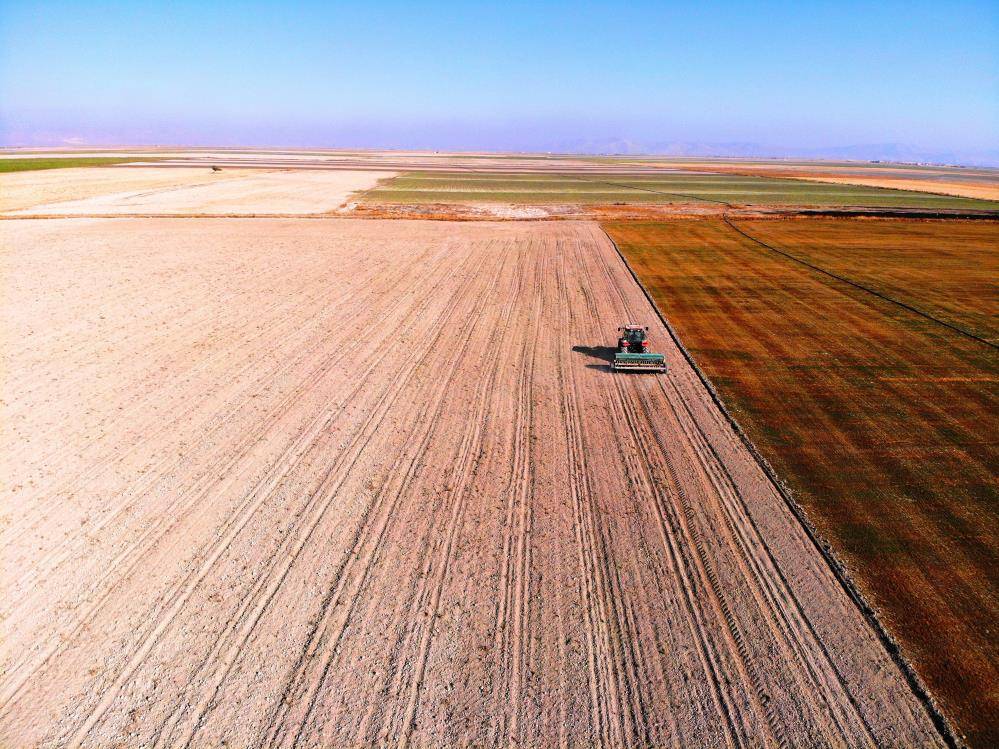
{"x": 960, "y": 189}
{"x": 979, "y": 183}
{"x": 341, "y": 482}
{"x": 21, "y": 190}
{"x": 202, "y": 191}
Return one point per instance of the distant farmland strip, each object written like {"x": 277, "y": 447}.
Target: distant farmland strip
{"x": 959, "y": 181}
{"x": 882, "y": 421}
{"x": 672, "y": 187}
{"x": 30, "y": 165}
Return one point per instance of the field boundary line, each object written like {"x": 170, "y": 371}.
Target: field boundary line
{"x": 760, "y": 212}
{"x": 855, "y": 284}
{"x": 766, "y": 586}
{"x": 838, "y": 568}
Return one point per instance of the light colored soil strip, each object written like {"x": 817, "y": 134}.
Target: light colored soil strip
{"x": 146, "y": 192}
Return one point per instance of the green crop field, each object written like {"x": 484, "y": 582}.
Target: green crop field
{"x": 671, "y": 187}
{"x": 879, "y": 407}
{"x": 30, "y": 165}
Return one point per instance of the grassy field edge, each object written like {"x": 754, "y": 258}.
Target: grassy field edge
{"x": 8, "y": 166}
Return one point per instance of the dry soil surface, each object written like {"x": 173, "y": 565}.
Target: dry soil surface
{"x": 20, "y": 190}
{"x": 190, "y": 191}
{"x": 959, "y": 189}
{"x": 342, "y": 482}
{"x": 982, "y": 184}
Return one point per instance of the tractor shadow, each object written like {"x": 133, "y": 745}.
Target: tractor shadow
{"x": 604, "y": 354}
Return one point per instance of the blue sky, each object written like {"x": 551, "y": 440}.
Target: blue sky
{"x": 504, "y": 75}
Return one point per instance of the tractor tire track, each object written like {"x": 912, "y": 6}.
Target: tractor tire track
{"x": 747, "y": 559}
{"x": 348, "y": 459}
{"x": 149, "y": 479}
{"x": 415, "y": 506}
{"x": 322, "y": 638}
{"x": 147, "y": 539}
{"x": 687, "y": 568}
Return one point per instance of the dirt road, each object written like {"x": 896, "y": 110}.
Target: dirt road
{"x": 278, "y": 482}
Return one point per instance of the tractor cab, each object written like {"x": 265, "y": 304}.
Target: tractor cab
{"x": 634, "y": 339}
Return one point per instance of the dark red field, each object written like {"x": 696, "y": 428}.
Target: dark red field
{"x": 882, "y": 420}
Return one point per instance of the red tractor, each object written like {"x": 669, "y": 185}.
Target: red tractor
{"x": 633, "y": 351}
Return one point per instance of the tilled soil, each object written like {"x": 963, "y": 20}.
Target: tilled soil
{"x": 22, "y": 190}
{"x": 149, "y": 191}
{"x": 336, "y": 483}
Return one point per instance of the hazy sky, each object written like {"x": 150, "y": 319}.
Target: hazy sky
{"x": 503, "y": 75}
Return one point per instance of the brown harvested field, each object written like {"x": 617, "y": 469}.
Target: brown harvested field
{"x": 884, "y": 422}
{"x": 341, "y": 482}
{"x": 187, "y": 191}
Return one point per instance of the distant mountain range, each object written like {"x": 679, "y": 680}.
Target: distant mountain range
{"x": 502, "y": 138}
{"x": 897, "y": 152}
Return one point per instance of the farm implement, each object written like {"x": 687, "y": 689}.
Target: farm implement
{"x": 633, "y": 353}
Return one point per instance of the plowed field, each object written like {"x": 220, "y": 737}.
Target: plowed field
{"x": 142, "y": 191}
{"x": 277, "y": 482}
